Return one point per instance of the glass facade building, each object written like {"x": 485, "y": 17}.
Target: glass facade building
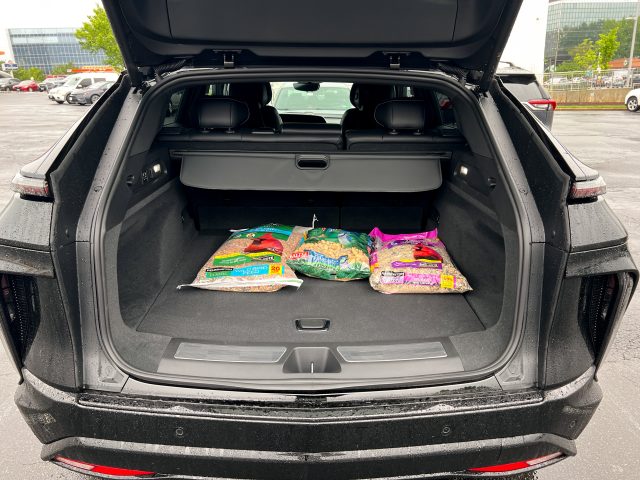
{"x": 45, "y": 48}
{"x": 571, "y": 21}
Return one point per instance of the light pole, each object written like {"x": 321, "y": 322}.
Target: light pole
{"x": 633, "y": 45}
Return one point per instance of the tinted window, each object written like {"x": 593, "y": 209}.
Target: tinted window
{"x": 523, "y": 88}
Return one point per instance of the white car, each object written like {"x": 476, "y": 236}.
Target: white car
{"x": 62, "y": 93}
{"x": 631, "y": 100}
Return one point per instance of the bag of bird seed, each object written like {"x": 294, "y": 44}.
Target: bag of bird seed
{"x": 332, "y": 254}
{"x": 252, "y": 260}
{"x": 413, "y": 263}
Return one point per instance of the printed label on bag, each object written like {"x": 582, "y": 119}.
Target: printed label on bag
{"x": 417, "y": 264}
{"x": 239, "y": 258}
{"x": 448, "y": 281}
{"x": 250, "y": 271}
{"x": 428, "y": 279}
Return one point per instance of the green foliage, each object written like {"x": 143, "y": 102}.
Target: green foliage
{"x": 96, "y": 36}
{"x": 568, "y": 66}
{"x": 570, "y": 38}
{"x": 625, "y": 30}
{"x": 584, "y": 55}
{"x": 63, "y": 69}
{"x": 591, "y": 55}
{"x": 607, "y": 46}
{"x": 29, "y": 73}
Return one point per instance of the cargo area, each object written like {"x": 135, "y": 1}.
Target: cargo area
{"x": 193, "y": 186}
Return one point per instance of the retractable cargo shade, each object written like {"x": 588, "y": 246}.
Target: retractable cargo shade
{"x": 460, "y": 36}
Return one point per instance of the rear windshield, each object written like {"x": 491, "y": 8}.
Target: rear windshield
{"x": 328, "y": 98}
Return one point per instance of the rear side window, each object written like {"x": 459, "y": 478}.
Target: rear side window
{"x": 524, "y": 88}
{"x": 171, "y": 115}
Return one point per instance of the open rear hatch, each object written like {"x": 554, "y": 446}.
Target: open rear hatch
{"x": 465, "y": 37}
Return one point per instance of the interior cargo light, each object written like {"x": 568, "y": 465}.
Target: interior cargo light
{"x": 543, "y": 104}
{"x": 34, "y": 187}
{"x": 512, "y": 467}
{"x": 588, "y": 189}
{"x": 102, "y": 469}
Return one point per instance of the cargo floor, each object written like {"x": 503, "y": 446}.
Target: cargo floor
{"x": 356, "y": 312}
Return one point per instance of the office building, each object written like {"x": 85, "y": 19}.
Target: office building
{"x": 45, "y": 48}
{"x": 569, "y": 22}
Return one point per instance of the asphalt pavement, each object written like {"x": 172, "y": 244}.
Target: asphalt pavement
{"x": 609, "y": 141}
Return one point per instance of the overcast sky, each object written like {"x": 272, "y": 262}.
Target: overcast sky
{"x": 42, "y": 14}
{"x": 525, "y": 48}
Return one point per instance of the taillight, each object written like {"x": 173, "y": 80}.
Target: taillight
{"x": 33, "y": 187}
{"x": 515, "y": 466}
{"x": 102, "y": 469}
{"x": 542, "y": 104}
{"x": 588, "y": 189}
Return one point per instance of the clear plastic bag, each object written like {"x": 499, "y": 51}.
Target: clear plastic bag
{"x": 333, "y": 254}
{"x": 252, "y": 260}
{"x": 413, "y": 263}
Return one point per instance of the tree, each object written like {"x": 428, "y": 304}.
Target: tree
{"x": 568, "y": 66}
{"x": 96, "y": 36}
{"x": 625, "y": 30}
{"x": 607, "y": 46}
{"x": 62, "y": 69}
{"x": 29, "y": 73}
{"x": 584, "y": 55}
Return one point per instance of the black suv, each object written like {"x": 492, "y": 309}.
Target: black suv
{"x": 124, "y": 375}
{"x": 524, "y": 85}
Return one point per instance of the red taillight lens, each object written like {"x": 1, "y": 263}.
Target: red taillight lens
{"x": 543, "y": 104}
{"x": 34, "y": 187}
{"x": 102, "y": 469}
{"x": 588, "y": 189}
{"x": 514, "y": 466}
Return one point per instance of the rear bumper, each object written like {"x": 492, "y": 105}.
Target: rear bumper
{"x": 428, "y": 437}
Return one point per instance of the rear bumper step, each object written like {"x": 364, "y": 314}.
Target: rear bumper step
{"x": 310, "y": 438}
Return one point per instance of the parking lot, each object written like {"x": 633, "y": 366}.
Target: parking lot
{"x": 607, "y": 141}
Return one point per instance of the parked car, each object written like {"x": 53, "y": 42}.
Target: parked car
{"x": 74, "y": 83}
{"x": 124, "y": 375}
{"x": 26, "y": 86}
{"x": 7, "y": 84}
{"x": 51, "y": 83}
{"x": 524, "y": 85}
{"x": 90, "y": 94}
{"x": 631, "y": 100}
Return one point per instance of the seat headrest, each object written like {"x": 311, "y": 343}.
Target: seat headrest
{"x": 252, "y": 93}
{"x": 222, "y": 113}
{"x": 406, "y": 114}
{"x": 365, "y": 96}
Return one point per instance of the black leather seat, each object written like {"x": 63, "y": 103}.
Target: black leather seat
{"x": 365, "y": 97}
{"x": 257, "y": 96}
{"x": 223, "y": 125}
{"x": 401, "y": 128}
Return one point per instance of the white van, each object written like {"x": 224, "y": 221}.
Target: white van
{"x": 78, "y": 81}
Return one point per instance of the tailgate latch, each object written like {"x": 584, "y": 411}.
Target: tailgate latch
{"x": 394, "y": 59}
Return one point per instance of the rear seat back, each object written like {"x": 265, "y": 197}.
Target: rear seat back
{"x": 223, "y": 126}
{"x": 402, "y": 128}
